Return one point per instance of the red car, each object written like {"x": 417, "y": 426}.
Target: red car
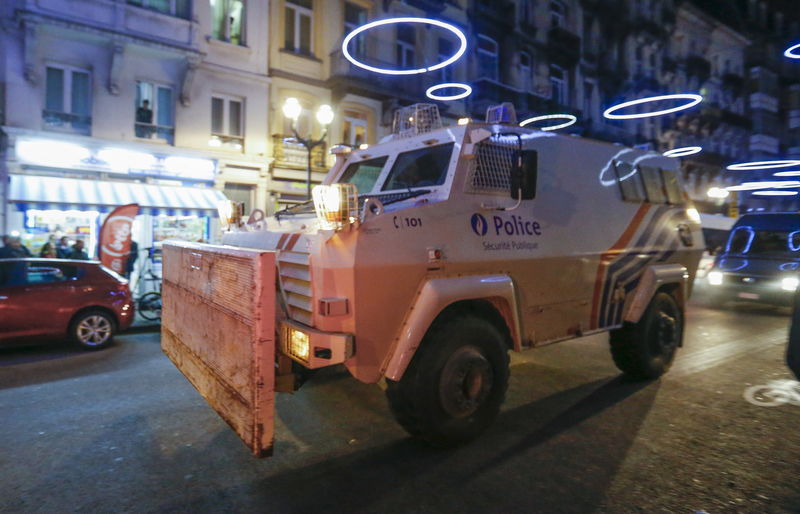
{"x": 51, "y": 299}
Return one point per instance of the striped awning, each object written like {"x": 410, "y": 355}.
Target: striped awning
{"x": 37, "y": 192}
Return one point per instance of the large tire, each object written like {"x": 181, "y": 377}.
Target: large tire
{"x": 456, "y": 382}
{"x": 92, "y": 330}
{"x": 645, "y": 350}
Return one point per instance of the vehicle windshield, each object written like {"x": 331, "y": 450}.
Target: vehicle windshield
{"x": 746, "y": 240}
{"x": 425, "y": 167}
{"x": 363, "y": 174}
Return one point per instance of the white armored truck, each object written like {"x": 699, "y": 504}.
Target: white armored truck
{"x": 424, "y": 260}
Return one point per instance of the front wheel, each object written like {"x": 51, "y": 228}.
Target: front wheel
{"x": 646, "y": 349}
{"x": 455, "y": 384}
{"x": 149, "y": 306}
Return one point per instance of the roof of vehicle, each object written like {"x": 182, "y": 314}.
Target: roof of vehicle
{"x": 54, "y": 261}
{"x": 788, "y": 221}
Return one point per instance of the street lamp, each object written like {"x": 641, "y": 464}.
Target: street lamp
{"x": 292, "y": 109}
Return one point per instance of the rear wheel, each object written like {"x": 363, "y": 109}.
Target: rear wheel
{"x": 93, "y": 330}
{"x": 645, "y": 350}
{"x": 455, "y": 384}
{"x": 149, "y": 306}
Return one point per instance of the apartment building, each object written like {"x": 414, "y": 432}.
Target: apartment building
{"x": 106, "y": 102}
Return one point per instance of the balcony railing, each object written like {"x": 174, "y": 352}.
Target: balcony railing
{"x": 158, "y": 132}
{"x": 81, "y": 124}
{"x": 226, "y": 141}
{"x": 352, "y": 79}
{"x": 288, "y": 153}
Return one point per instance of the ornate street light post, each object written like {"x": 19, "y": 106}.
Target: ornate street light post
{"x": 292, "y": 109}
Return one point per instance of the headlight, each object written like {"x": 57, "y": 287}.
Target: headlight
{"x": 715, "y": 278}
{"x": 790, "y": 284}
{"x": 298, "y": 344}
{"x": 336, "y": 205}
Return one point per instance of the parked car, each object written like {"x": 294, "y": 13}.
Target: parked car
{"x": 761, "y": 260}
{"x": 51, "y": 299}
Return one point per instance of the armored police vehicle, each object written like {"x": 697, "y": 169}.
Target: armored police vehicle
{"x": 423, "y": 260}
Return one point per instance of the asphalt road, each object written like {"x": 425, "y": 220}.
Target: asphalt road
{"x": 122, "y": 430}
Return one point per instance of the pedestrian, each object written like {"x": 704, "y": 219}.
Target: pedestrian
{"x": 47, "y": 251}
{"x": 14, "y": 249}
{"x": 144, "y": 120}
{"x": 78, "y": 252}
{"x": 132, "y": 256}
{"x": 62, "y": 248}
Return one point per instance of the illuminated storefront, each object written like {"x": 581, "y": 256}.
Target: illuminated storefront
{"x": 66, "y": 188}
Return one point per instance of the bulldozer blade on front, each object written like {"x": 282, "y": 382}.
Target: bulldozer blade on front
{"x": 218, "y": 328}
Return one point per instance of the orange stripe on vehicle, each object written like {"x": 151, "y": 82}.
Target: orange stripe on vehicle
{"x": 281, "y": 241}
{"x": 608, "y": 256}
{"x": 292, "y": 241}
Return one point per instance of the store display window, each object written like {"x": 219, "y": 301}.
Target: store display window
{"x": 184, "y": 228}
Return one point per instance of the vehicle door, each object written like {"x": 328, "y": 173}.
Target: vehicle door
{"x": 35, "y": 299}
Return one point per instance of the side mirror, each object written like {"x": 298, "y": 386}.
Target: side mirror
{"x": 524, "y": 174}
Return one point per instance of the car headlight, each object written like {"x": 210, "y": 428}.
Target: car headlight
{"x": 336, "y": 205}
{"x": 790, "y": 284}
{"x": 715, "y": 278}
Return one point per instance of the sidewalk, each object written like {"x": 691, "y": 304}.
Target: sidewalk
{"x": 140, "y": 324}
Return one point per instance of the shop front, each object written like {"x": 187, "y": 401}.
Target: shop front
{"x": 45, "y": 207}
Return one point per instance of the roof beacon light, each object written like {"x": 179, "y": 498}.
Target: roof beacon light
{"x": 762, "y": 165}
{"x": 683, "y": 152}
{"x": 790, "y": 52}
{"x": 467, "y": 90}
{"x": 569, "y": 117}
{"x": 389, "y": 21}
{"x": 693, "y": 100}
{"x": 503, "y": 113}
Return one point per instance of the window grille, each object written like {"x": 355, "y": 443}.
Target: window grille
{"x": 416, "y": 119}
{"x": 491, "y": 168}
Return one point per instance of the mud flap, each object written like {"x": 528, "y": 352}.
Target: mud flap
{"x": 218, "y": 328}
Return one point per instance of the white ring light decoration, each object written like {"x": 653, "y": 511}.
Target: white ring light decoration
{"x": 775, "y": 193}
{"x": 764, "y": 184}
{"x": 693, "y": 100}
{"x": 569, "y": 117}
{"x": 787, "y": 174}
{"x": 762, "y": 165}
{"x": 790, "y": 54}
{"x": 446, "y": 98}
{"x": 387, "y": 71}
{"x": 683, "y": 152}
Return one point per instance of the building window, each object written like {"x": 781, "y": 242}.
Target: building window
{"x": 525, "y": 70}
{"x": 406, "y": 41}
{"x": 354, "y": 17}
{"x": 354, "y": 128}
{"x": 558, "y": 84}
{"x": 154, "y": 112}
{"x": 299, "y": 26}
{"x": 179, "y": 8}
{"x": 488, "y": 58}
{"x": 558, "y": 14}
{"x": 526, "y": 11}
{"x": 67, "y": 99}
{"x": 588, "y": 93}
{"x": 243, "y": 193}
{"x": 227, "y": 20}
{"x": 445, "y": 52}
{"x": 227, "y": 124}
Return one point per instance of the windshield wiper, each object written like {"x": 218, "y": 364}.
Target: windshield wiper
{"x": 294, "y": 209}
{"x": 390, "y": 198}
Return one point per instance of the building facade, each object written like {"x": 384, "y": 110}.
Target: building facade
{"x": 106, "y": 102}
